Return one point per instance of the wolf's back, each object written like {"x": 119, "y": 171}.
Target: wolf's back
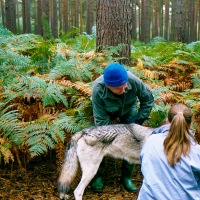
{"x": 70, "y": 164}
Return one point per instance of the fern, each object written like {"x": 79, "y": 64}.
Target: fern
{"x": 196, "y": 79}
{"x": 47, "y": 30}
{"x": 41, "y": 55}
{"x": 4, "y": 33}
{"x": 64, "y": 68}
{"x": 10, "y": 126}
{"x": 10, "y": 130}
{"x": 158, "y": 114}
{"x": 42, "y": 135}
{"x": 5, "y": 151}
{"x": 50, "y": 93}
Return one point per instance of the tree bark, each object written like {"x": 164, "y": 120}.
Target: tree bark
{"x": 65, "y": 15}
{"x": 166, "y": 29}
{"x": 39, "y": 17}
{"x": 114, "y": 26}
{"x": 178, "y": 20}
{"x": 10, "y": 9}
{"x": 134, "y": 21}
{"x": 26, "y": 8}
{"x": 3, "y": 11}
{"x": 89, "y": 16}
{"x": 145, "y": 21}
{"x": 55, "y": 19}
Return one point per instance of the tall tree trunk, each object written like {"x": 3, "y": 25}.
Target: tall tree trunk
{"x": 81, "y": 17}
{"x": 65, "y": 15}
{"x": 39, "y": 17}
{"x": 145, "y": 21}
{"x": 26, "y": 8}
{"x": 35, "y": 17}
{"x": 139, "y": 17}
{"x": 166, "y": 31}
{"x": 55, "y": 19}
{"x": 45, "y": 9}
{"x": 178, "y": 20}
{"x": 18, "y": 29}
{"x": 134, "y": 21}
{"x": 76, "y": 12}
{"x": 153, "y": 21}
{"x": 60, "y": 4}
{"x": 114, "y": 26}
{"x": 199, "y": 21}
{"x": 90, "y": 16}
{"x": 160, "y": 17}
{"x": 3, "y": 12}
{"x": 10, "y": 10}
{"x": 192, "y": 21}
{"x": 156, "y": 18}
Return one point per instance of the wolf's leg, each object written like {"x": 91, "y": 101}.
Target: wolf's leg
{"x": 89, "y": 169}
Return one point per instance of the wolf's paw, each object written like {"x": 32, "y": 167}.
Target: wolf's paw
{"x": 64, "y": 196}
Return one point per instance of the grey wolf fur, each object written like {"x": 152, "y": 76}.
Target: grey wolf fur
{"x": 88, "y": 148}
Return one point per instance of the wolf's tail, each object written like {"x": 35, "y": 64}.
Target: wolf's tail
{"x": 70, "y": 165}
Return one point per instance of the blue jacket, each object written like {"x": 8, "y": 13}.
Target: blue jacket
{"x": 163, "y": 182}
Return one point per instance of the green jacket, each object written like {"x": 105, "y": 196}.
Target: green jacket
{"x": 136, "y": 102}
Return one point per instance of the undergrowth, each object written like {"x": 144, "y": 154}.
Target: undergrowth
{"x": 46, "y": 87}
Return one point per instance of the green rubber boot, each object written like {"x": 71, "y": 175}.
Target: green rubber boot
{"x": 97, "y": 184}
{"x": 126, "y": 178}
{"x": 97, "y": 181}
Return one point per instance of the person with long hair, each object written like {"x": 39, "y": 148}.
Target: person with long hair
{"x": 170, "y": 160}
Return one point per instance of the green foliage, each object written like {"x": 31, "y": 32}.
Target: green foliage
{"x": 4, "y": 33}
{"x": 10, "y": 127}
{"x": 50, "y": 93}
{"x": 42, "y": 135}
{"x": 41, "y": 55}
{"x": 46, "y": 27}
{"x": 158, "y": 53}
{"x": 10, "y": 131}
{"x": 12, "y": 66}
{"x": 84, "y": 43}
{"x": 158, "y": 115}
{"x": 67, "y": 68}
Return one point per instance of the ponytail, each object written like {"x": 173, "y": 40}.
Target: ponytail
{"x": 177, "y": 142}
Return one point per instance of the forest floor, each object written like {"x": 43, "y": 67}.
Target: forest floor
{"x": 39, "y": 182}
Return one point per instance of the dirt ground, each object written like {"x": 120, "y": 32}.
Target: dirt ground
{"x": 39, "y": 182}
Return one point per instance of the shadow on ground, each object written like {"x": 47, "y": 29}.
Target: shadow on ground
{"x": 39, "y": 182}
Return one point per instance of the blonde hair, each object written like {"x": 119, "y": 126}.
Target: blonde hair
{"x": 177, "y": 141}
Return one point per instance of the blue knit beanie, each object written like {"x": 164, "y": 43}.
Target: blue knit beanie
{"x": 115, "y": 75}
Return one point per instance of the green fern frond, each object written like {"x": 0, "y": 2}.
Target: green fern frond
{"x": 159, "y": 90}
{"x": 64, "y": 68}
{"x": 158, "y": 115}
{"x": 12, "y": 66}
{"x": 50, "y": 93}
{"x": 84, "y": 107}
{"x": 9, "y": 124}
{"x": 41, "y": 55}
{"x": 150, "y": 61}
{"x": 84, "y": 43}
{"x": 5, "y": 152}
{"x": 4, "y": 33}
{"x": 47, "y": 30}
{"x": 42, "y": 135}
{"x": 196, "y": 79}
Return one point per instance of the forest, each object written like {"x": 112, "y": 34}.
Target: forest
{"x": 52, "y": 51}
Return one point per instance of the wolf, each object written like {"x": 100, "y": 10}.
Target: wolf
{"x": 88, "y": 147}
